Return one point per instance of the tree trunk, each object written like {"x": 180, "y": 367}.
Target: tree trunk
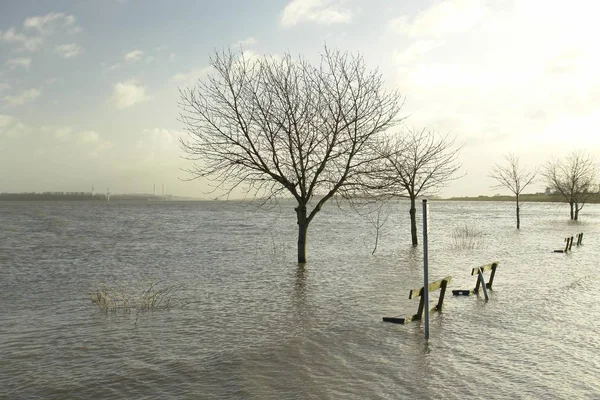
{"x": 518, "y": 215}
{"x": 577, "y": 208}
{"x": 413, "y": 221}
{"x": 572, "y": 211}
{"x": 302, "y": 229}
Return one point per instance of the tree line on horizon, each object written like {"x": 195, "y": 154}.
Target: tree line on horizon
{"x": 276, "y": 126}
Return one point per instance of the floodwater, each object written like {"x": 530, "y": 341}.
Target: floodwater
{"x": 257, "y": 326}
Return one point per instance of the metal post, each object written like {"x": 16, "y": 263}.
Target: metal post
{"x": 425, "y": 272}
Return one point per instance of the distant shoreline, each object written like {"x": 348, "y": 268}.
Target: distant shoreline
{"x": 538, "y": 197}
{"x": 75, "y": 196}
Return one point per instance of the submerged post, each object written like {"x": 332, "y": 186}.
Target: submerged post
{"x": 425, "y": 272}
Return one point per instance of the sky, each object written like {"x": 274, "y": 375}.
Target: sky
{"x": 89, "y": 89}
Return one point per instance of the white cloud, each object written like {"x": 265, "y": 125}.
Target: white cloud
{"x": 24, "y": 62}
{"x": 42, "y": 27}
{"x": 248, "y": 42}
{"x": 159, "y": 144}
{"x": 69, "y": 50}
{"x": 324, "y": 12}
{"x": 128, "y": 93}
{"x": 11, "y": 127}
{"x": 25, "y": 97}
{"x": 190, "y": 78}
{"x": 444, "y": 18}
{"x": 28, "y": 43}
{"x": 88, "y": 137}
{"x": 500, "y": 75}
{"x": 49, "y": 23}
{"x": 133, "y": 56}
{"x": 63, "y": 133}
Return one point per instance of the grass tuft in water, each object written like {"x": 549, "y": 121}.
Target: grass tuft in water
{"x": 120, "y": 298}
{"x": 467, "y": 237}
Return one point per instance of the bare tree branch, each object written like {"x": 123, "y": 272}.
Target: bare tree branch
{"x": 275, "y": 126}
{"x": 574, "y": 178}
{"x": 514, "y": 178}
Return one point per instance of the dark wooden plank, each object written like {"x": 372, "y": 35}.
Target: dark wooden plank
{"x": 396, "y": 320}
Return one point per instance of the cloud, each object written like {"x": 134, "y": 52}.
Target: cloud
{"x": 88, "y": 137}
{"x": 40, "y": 28}
{"x": 444, "y": 18}
{"x": 128, "y": 93}
{"x": 28, "y": 43}
{"x": 133, "y": 56}
{"x": 25, "y": 97}
{"x": 11, "y": 127}
{"x": 248, "y": 42}
{"x": 499, "y": 74}
{"x": 24, "y": 62}
{"x": 324, "y": 12}
{"x": 159, "y": 144}
{"x": 49, "y": 23}
{"x": 63, "y": 133}
{"x": 190, "y": 78}
{"x": 69, "y": 50}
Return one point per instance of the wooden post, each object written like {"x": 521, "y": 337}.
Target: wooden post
{"x": 489, "y": 284}
{"x": 570, "y": 242}
{"x": 442, "y": 293}
{"x": 482, "y": 280}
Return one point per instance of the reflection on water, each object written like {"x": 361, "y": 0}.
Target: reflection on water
{"x": 258, "y": 325}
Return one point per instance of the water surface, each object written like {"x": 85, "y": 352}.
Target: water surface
{"x": 257, "y": 326}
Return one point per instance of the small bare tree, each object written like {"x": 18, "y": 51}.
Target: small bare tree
{"x": 276, "y": 126}
{"x": 514, "y": 178}
{"x": 420, "y": 162}
{"x": 574, "y": 178}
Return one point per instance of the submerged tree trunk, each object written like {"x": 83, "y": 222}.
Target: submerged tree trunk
{"x": 413, "y": 221}
{"x": 302, "y": 229}
{"x": 572, "y": 211}
{"x": 518, "y": 215}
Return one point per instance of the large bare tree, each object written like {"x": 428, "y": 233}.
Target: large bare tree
{"x": 514, "y": 178}
{"x": 420, "y": 162}
{"x": 282, "y": 126}
{"x": 574, "y": 178}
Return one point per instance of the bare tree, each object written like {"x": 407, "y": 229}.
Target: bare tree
{"x": 574, "y": 178}
{"x": 420, "y": 162}
{"x": 277, "y": 126}
{"x": 514, "y": 178}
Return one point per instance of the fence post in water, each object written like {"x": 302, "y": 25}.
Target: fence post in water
{"x": 425, "y": 296}
{"x": 570, "y": 242}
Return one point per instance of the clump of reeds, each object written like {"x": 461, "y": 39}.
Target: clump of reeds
{"x": 467, "y": 237}
{"x": 111, "y": 298}
{"x": 119, "y": 298}
{"x": 156, "y": 297}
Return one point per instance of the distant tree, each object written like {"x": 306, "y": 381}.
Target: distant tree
{"x": 276, "y": 126}
{"x": 514, "y": 178}
{"x": 574, "y": 178}
{"x": 420, "y": 162}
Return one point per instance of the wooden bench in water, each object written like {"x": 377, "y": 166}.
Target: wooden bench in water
{"x": 441, "y": 284}
{"x": 480, "y": 280}
{"x": 569, "y": 243}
